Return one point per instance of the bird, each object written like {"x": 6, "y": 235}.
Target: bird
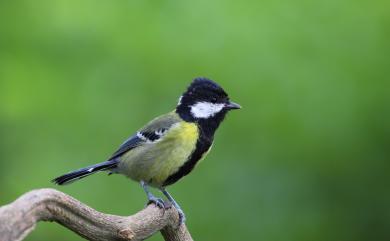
{"x": 169, "y": 147}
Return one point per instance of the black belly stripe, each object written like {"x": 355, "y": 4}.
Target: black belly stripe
{"x": 202, "y": 146}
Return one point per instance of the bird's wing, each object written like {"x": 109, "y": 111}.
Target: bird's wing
{"x": 150, "y": 133}
{"x": 129, "y": 144}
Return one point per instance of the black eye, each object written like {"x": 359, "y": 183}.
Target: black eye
{"x": 214, "y": 99}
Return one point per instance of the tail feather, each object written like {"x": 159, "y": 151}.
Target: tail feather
{"x": 84, "y": 172}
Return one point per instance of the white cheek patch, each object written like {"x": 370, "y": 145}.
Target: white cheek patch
{"x": 205, "y": 109}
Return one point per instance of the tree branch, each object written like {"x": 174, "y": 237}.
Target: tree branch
{"x": 19, "y": 218}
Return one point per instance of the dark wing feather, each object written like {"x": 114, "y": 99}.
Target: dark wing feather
{"x": 153, "y": 136}
{"x": 129, "y": 144}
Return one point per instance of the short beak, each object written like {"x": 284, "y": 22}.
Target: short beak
{"x": 232, "y": 106}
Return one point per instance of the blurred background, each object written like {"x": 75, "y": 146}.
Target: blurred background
{"x": 307, "y": 158}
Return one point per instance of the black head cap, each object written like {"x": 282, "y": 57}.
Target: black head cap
{"x": 203, "y": 89}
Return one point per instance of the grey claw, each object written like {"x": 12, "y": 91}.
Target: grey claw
{"x": 182, "y": 217}
{"x": 157, "y": 201}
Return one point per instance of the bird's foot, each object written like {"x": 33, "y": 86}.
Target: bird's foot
{"x": 158, "y": 202}
{"x": 182, "y": 216}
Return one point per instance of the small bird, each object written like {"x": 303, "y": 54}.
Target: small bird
{"x": 169, "y": 146}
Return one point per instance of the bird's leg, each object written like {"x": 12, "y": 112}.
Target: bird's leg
{"x": 151, "y": 198}
{"x": 182, "y": 216}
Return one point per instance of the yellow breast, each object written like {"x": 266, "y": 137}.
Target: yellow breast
{"x": 179, "y": 144}
{"x": 155, "y": 162}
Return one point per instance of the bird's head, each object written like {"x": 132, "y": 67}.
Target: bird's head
{"x": 204, "y": 100}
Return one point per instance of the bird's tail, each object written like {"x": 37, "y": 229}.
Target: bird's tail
{"x": 84, "y": 172}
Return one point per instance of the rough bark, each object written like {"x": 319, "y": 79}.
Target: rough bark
{"x": 20, "y": 217}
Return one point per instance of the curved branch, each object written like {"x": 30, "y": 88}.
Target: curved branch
{"x": 19, "y": 218}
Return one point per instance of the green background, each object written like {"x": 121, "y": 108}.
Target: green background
{"x": 307, "y": 158}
